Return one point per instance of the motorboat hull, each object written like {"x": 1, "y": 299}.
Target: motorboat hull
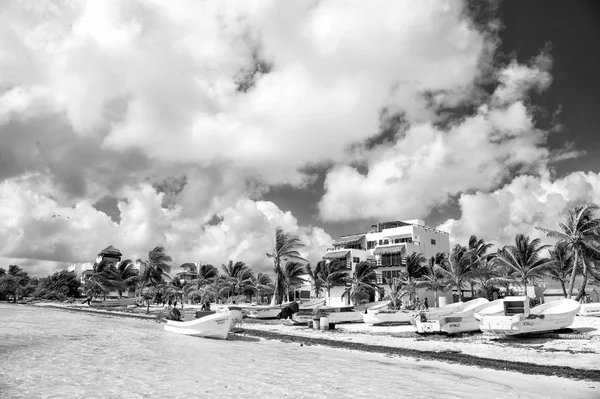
{"x": 453, "y": 319}
{"x": 215, "y": 326}
{"x": 544, "y": 318}
{"x": 589, "y": 309}
{"x": 387, "y": 318}
{"x": 113, "y": 303}
{"x": 335, "y": 315}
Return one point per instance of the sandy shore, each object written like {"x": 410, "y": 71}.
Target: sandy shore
{"x": 575, "y": 356}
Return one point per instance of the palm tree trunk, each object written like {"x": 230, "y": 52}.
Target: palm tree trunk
{"x": 524, "y": 282}
{"x": 573, "y": 274}
{"x": 274, "y": 299}
{"x": 436, "y": 299}
{"x": 583, "y": 282}
{"x": 328, "y": 299}
{"x": 562, "y": 284}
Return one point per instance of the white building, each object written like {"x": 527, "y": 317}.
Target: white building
{"x": 386, "y": 245}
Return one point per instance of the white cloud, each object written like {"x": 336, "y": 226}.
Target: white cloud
{"x": 34, "y": 227}
{"x": 520, "y": 206}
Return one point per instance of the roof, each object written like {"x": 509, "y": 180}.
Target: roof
{"x": 351, "y": 239}
{"x": 336, "y": 254}
{"x": 389, "y": 249}
{"x": 110, "y": 250}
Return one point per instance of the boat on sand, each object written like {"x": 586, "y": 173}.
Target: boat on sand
{"x": 589, "y": 309}
{"x": 113, "y": 303}
{"x": 454, "y": 318}
{"x": 517, "y": 318}
{"x": 381, "y": 315}
{"x": 217, "y": 325}
{"x": 336, "y": 314}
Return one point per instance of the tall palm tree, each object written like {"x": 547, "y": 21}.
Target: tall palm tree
{"x": 363, "y": 282}
{"x": 410, "y": 279}
{"x": 579, "y": 231}
{"x": 433, "y": 280}
{"x": 128, "y": 275}
{"x": 477, "y": 253}
{"x": 285, "y": 249}
{"x": 260, "y": 283}
{"x": 563, "y": 265}
{"x": 457, "y": 269}
{"x": 394, "y": 293}
{"x": 238, "y": 275}
{"x": 176, "y": 289}
{"x": 524, "y": 260}
{"x": 156, "y": 269}
{"x": 314, "y": 277}
{"x": 333, "y": 274}
{"x": 207, "y": 274}
{"x": 293, "y": 276}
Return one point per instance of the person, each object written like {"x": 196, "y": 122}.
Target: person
{"x": 426, "y": 303}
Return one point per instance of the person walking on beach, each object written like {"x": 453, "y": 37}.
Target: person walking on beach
{"x": 426, "y": 304}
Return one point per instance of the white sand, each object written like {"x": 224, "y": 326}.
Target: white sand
{"x": 576, "y": 353}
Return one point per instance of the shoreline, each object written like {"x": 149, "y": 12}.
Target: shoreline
{"x": 449, "y": 356}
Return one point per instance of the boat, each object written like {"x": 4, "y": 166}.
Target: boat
{"x": 336, "y": 314}
{"x": 381, "y": 315}
{"x": 517, "y": 318}
{"x": 589, "y": 309}
{"x": 264, "y": 312}
{"x": 111, "y": 303}
{"x": 217, "y": 325}
{"x": 460, "y": 320}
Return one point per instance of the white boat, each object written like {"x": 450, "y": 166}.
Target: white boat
{"x": 264, "y": 312}
{"x": 589, "y": 309}
{"x": 336, "y": 314}
{"x": 111, "y": 303}
{"x": 381, "y": 315}
{"x": 516, "y": 317}
{"x": 451, "y": 319}
{"x": 216, "y": 325}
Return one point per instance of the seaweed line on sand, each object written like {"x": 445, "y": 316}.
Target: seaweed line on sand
{"x": 444, "y": 356}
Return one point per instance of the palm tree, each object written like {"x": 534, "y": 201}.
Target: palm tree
{"x": 207, "y": 274}
{"x": 155, "y": 271}
{"x": 176, "y": 289}
{"x": 489, "y": 274}
{"x": 563, "y": 264}
{"x": 333, "y": 274}
{"x": 477, "y": 253}
{"x": 579, "y": 231}
{"x": 363, "y": 282}
{"x": 314, "y": 277}
{"x": 128, "y": 275}
{"x": 524, "y": 260}
{"x": 457, "y": 269}
{"x": 433, "y": 280}
{"x": 395, "y": 293}
{"x": 285, "y": 249}
{"x": 409, "y": 279}
{"x": 237, "y": 276}
{"x": 259, "y": 283}
{"x": 293, "y": 276}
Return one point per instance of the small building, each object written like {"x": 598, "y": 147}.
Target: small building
{"x": 110, "y": 255}
{"x": 386, "y": 245}
{"x": 189, "y": 272}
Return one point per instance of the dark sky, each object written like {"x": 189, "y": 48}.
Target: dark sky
{"x": 572, "y": 28}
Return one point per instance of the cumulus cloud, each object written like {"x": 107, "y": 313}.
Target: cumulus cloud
{"x": 35, "y": 228}
{"x": 520, "y": 206}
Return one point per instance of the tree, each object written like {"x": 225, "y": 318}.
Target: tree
{"x": 432, "y": 279}
{"x": 207, "y": 274}
{"x": 477, "y": 253}
{"x": 128, "y": 276}
{"x": 293, "y": 276}
{"x": 237, "y": 276}
{"x": 285, "y": 249}
{"x": 333, "y": 274}
{"x": 13, "y": 282}
{"x": 561, "y": 268}
{"x": 524, "y": 260}
{"x": 314, "y": 277}
{"x": 579, "y": 231}
{"x": 58, "y": 286}
{"x": 155, "y": 271}
{"x": 363, "y": 282}
{"x": 260, "y": 283}
{"x": 410, "y": 278}
{"x": 176, "y": 289}
{"x": 457, "y": 269}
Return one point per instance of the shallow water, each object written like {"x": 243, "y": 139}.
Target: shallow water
{"x": 48, "y": 353}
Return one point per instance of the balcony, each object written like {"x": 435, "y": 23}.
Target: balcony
{"x": 393, "y": 262}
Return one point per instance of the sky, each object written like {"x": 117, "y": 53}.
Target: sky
{"x": 203, "y": 126}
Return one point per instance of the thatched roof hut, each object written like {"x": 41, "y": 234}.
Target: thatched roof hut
{"x": 110, "y": 252}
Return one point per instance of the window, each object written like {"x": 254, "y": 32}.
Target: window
{"x": 380, "y": 242}
{"x": 386, "y": 241}
{"x": 371, "y": 244}
{"x": 355, "y": 259}
{"x": 432, "y": 241}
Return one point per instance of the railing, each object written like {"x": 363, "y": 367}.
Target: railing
{"x": 389, "y": 262}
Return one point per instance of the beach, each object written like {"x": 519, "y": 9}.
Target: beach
{"x": 54, "y": 353}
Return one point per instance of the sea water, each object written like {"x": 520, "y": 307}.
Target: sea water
{"x": 49, "y": 353}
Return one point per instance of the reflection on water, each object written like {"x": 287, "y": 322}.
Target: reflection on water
{"x": 50, "y": 353}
